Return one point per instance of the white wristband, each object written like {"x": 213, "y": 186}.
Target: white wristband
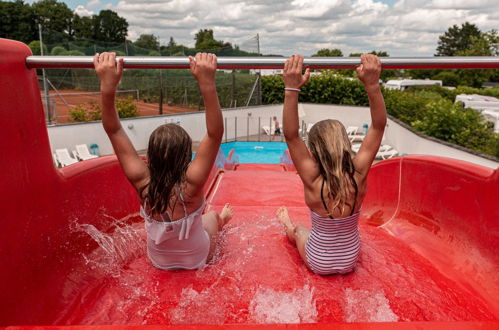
{"x": 292, "y": 89}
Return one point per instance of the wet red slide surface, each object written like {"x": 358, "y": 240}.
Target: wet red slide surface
{"x": 73, "y": 252}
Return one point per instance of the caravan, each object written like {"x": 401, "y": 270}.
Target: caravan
{"x": 403, "y": 84}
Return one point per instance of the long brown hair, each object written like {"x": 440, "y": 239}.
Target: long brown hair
{"x": 329, "y": 144}
{"x": 169, "y": 154}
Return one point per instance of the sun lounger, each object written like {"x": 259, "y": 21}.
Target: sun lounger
{"x": 382, "y": 148}
{"x": 63, "y": 157}
{"x": 267, "y": 130}
{"x": 309, "y": 126}
{"x": 386, "y": 154}
{"x": 352, "y": 134}
{"x": 56, "y": 162}
{"x": 83, "y": 153}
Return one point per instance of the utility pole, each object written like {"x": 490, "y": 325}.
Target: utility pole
{"x": 233, "y": 91}
{"x": 160, "y": 82}
{"x": 259, "y": 73}
{"x": 45, "y": 86}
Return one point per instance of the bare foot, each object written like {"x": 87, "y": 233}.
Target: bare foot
{"x": 283, "y": 216}
{"x": 225, "y": 216}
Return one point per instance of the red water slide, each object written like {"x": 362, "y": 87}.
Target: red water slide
{"x": 73, "y": 251}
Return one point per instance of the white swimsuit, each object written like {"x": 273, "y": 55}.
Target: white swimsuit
{"x": 179, "y": 244}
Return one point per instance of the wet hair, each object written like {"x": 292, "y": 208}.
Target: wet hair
{"x": 329, "y": 144}
{"x": 169, "y": 153}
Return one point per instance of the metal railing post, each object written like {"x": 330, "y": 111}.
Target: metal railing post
{"x": 259, "y": 129}
{"x": 225, "y": 130}
{"x": 270, "y": 129}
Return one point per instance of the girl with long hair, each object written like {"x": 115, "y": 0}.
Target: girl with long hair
{"x": 334, "y": 180}
{"x": 170, "y": 185}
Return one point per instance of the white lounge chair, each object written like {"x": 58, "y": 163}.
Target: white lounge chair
{"x": 64, "y": 158}
{"x": 83, "y": 153}
{"x": 382, "y": 148}
{"x": 387, "y": 154}
{"x": 352, "y": 134}
{"x": 309, "y": 126}
{"x": 56, "y": 162}
{"x": 267, "y": 130}
{"x": 352, "y": 130}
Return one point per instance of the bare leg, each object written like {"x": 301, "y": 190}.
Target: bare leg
{"x": 289, "y": 227}
{"x": 213, "y": 223}
{"x": 297, "y": 235}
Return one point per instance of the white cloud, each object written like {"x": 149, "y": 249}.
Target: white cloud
{"x": 82, "y": 11}
{"x": 94, "y": 3}
{"x": 408, "y": 28}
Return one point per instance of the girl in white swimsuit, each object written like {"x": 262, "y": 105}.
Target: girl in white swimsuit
{"x": 170, "y": 185}
{"x": 334, "y": 180}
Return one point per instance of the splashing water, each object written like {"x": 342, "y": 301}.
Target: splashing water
{"x": 270, "y": 306}
{"x": 124, "y": 244}
{"x": 367, "y": 306}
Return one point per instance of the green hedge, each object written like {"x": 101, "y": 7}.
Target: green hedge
{"x": 430, "y": 110}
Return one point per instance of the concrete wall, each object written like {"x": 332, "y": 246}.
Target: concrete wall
{"x": 139, "y": 129}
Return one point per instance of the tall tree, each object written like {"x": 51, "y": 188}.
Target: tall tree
{"x": 147, "y": 41}
{"x": 205, "y": 40}
{"x": 56, "y": 19}
{"x": 83, "y": 27}
{"x": 110, "y": 27}
{"x": 17, "y": 21}
{"x": 325, "y": 52}
{"x": 457, "y": 39}
{"x": 171, "y": 43}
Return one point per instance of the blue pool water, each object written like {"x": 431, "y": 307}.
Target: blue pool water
{"x": 256, "y": 152}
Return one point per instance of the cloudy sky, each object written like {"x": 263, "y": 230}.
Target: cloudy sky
{"x": 401, "y": 27}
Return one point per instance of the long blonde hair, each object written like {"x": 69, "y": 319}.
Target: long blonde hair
{"x": 329, "y": 144}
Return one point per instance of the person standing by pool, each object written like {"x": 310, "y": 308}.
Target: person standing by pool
{"x": 170, "y": 185}
{"x": 335, "y": 181}
{"x": 277, "y": 128}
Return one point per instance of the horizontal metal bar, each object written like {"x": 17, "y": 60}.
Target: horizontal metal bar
{"x": 175, "y": 62}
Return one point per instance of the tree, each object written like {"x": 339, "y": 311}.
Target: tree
{"x": 324, "y": 52}
{"x": 54, "y": 17}
{"x": 110, "y": 27}
{"x": 486, "y": 44}
{"x": 205, "y": 40}
{"x": 17, "y": 21}
{"x": 171, "y": 43}
{"x": 457, "y": 39}
{"x": 147, "y": 41}
{"x": 83, "y": 27}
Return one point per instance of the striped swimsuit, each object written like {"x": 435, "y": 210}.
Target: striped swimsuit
{"x": 333, "y": 245}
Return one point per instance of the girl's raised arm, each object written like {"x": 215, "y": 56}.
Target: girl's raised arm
{"x": 204, "y": 67}
{"x": 293, "y": 81}
{"x": 369, "y": 72}
{"x": 109, "y": 73}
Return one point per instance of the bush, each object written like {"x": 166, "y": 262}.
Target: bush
{"x": 126, "y": 107}
{"x": 428, "y": 109}
{"x": 86, "y": 112}
{"x": 448, "y": 121}
{"x": 35, "y": 48}
{"x": 58, "y": 50}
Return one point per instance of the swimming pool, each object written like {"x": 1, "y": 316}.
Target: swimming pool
{"x": 256, "y": 152}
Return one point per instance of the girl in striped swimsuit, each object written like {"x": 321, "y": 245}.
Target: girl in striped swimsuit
{"x": 334, "y": 180}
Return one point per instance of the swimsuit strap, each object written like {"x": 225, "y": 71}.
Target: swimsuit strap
{"x": 182, "y": 200}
